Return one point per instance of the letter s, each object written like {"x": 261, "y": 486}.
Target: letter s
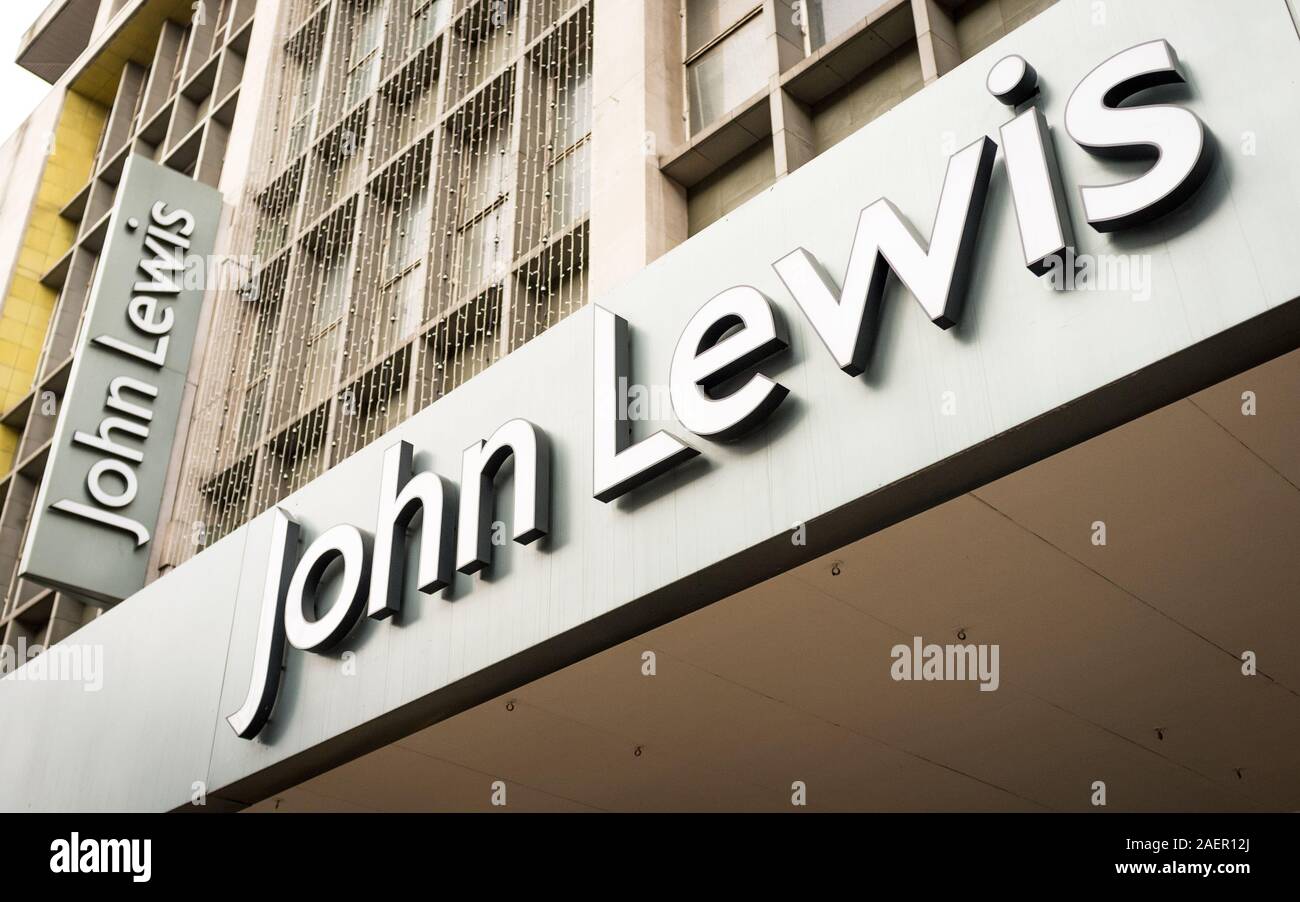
{"x": 166, "y": 220}
{"x": 1175, "y": 137}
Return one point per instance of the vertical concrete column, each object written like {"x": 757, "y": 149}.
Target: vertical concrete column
{"x": 937, "y": 39}
{"x": 787, "y": 19}
{"x": 792, "y": 132}
{"x": 105, "y": 12}
{"x": 792, "y": 137}
{"x": 637, "y": 213}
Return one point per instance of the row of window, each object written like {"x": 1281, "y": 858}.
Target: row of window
{"x": 725, "y": 59}
{"x": 474, "y": 182}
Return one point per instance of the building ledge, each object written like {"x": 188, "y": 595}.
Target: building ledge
{"x": 57, "y": 37}
{"x": 723, "y": 141}
{"x": 835, "y": 64}
{"x": 850, "y": 53}
{"x": 131, "y": 35}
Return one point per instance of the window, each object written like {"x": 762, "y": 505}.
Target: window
{"x": 480, "y": 257}
{"x": 727, "y": 68}
{"x": 462, "y": 343}
{"x": 488, "y": 38}
{"x": 259, "y": 369}
{"x": 827, "y": 19}
{"x": 706, "y": 19}
{"x": 408, "y": 234}
{"x": 323, "y": 330}
{"x": 488, "y": 180}
{"x": 406, "y": 246}
{"x": 570, "y": 188}
{"x": 272, "y": 231}
{"x": 363, "y": 56}
{"x": 428, "y": 17}
{"x": 304, "y": 103}
{"x": 570, "y": 162}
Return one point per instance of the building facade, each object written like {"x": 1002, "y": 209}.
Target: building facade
{"x": 415, "y": 191}
{"x": 453, "y": 232}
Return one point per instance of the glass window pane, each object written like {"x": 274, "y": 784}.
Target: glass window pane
{"x": 366, "y": 30}
{"x": 318, "y": 375}
{"x": 361, "y": 80}
{"x": 417, "y": 223}
{"x": 570, "y": 188}
{"x": 410, "y": 299}
{"x": 263, "y": 346}
{"x": 480, "y": 255}
{"x": 489, "y": 36}
{"x": 488, "y": 176}
{"x": 363, "y": 55}
{"x": 830, "y": 18}
{"x": 272, "y": 231}
{"x": 727, "y": 74}
{"x": 308, "y": 76}
{"x": 573, "y": 110}
{"x": 298, "y": 135}
{"x": 430, "y": 17}
{"x": 330, "y": 298}
{"x": 402, "y": 303}
{"x": 408, "y": 237}
{"x": 706, "y": 19}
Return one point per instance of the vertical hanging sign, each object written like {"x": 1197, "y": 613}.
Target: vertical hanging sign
{"x": 97, "y": 509}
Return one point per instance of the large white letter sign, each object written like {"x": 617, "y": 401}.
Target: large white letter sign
{"x": 1175, "y": 137}
{"x": 268, "y": 653}
{"x": 735, "y": 330}
{"x": 479, "y": 466}
{"x": 937, "y": 275}
{"x": 618, "y": 463}
{"x": 403, "y": 494}
{"x": 302, "y": 626}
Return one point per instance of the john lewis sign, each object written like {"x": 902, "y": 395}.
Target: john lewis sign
{"x": 716, "y": 392}
{"x": 97, "y": 509}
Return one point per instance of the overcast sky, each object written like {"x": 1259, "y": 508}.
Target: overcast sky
{"x": 20, "y": 90}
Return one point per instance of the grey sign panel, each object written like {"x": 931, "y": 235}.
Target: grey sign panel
{"x": 97, "y": 509}
{"x": 1028, "y": 369}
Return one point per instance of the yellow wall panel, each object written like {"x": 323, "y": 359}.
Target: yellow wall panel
{"x": 25, "y": 316}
